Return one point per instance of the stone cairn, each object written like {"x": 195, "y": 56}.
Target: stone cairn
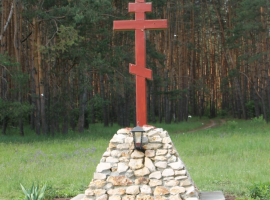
{"x": 127, "y": 174}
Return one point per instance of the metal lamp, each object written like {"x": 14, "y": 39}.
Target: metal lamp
{"x": 138, "y": 137}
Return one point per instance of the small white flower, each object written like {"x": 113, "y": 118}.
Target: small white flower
{"x": 42, "y": 95}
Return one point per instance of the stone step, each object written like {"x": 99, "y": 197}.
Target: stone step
{"x": 215, "y": 195}
{"x": 78, "y": 197}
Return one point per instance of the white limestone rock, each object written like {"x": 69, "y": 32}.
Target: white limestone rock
{"x": 153, "y": 133}
{"x": 125, "y": 153}
{"x": 162, "y": 165}
{"x": 160, "y": 198}
{"x": 99, "y": 192}
{"x": 168, "y": 155}
{"x": 155, "y": 175}
{"x": 117, "y": 191}
{"x": 145, "y": 189}
{"x": 177, "y": 190}
{"x": 155, "y": 182}
{"x": 185, "y": 183}
{"x": 167, "y": 140}
{"x": 190, "y": 190}
{"x": 116, "y": 153}
{"x": 160, "y": 190}
{"x": 133, "y": 190}
{"x": 106, "y": 154}
{"x": 180, "y": 177}
{"x": 163, "y": 134}
{"x": 102, "y": 197}
{"x": 89, "y": 192}
{"x": 135, "y": 163}
{"x": 119, "y": 180}
{"x": 144, "y": 197}
{"x": 95, "y": 184}
{"x": 99, "y": 176}
{"x": 171, "y": 183}
{"x": 142, "y": 172}
{"x": 123, "y": 159}
{"x": 115, "y": 197}
{"x": 176, "y": 165}
{"x": 137, "y": 154}
{"x": 155, "y": 139}
{"x": 180, "y": 173}
{"x": 128, "y": 197}
{"x": 159, "y": 129}
{"x": 161, "y": 152}
{"x": 175, "y": 197}
{"x": 118, "y": 139}
{"x": 108, "y": 186}
{"x": 150, "y": 153}
{"x": 129, "y": 173}
{"x": 167, "y": 146}
{"x": 149, "y": 164}
{"x": 123, "y": 146}
{"x": 112, "y": 146}
{"x": 129, "y": 140}
{"x": 114, "y": 173}
{"x": 167, "y": 172}
{"x": 141, "y": 181}
{"x": 160, "y": 158}
{"x": 168, "y": 178}
{"x": 172, "y": 159}
{"x": 148, "y": 128}
{"x": 123, "y": 131}
{"x": 152, "y": 146}
{"x": 122, "y": 167}
{"x": 112, "y": 160}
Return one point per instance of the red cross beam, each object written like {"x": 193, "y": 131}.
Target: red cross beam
{"x": 140, "y": 24}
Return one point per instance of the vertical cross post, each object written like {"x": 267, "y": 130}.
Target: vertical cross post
{"x": 140, "y": 24}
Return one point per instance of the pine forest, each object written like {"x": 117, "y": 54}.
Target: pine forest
{"x": 62, "y": 67}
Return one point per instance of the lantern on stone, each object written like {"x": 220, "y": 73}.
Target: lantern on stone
{"x": 138, "y": 137}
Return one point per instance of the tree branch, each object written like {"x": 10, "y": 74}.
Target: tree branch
{"x": 26, "y": 37}
{"x": 8, "y": 20}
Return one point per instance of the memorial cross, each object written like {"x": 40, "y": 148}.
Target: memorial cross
{"x": 140, "y": 24}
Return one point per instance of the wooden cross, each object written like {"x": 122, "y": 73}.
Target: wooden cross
{"x": 140, "y": 7}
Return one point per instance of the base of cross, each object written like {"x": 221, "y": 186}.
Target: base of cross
{"x": 215, "y": 195}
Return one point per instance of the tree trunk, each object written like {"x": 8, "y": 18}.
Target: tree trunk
{"x": 82, "y": 101}
{"x": 104, "y": 106}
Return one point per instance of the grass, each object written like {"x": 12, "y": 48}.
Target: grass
{"x": 230, "y": 158}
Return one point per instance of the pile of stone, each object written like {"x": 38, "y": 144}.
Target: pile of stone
{"x": 127, "y": 174}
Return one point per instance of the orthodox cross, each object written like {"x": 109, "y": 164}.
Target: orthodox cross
{"x": 140, "y": 24}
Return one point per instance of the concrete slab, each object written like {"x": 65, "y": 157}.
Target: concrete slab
{"x": 78, "y": 197}
{"x": 215, "y": 195}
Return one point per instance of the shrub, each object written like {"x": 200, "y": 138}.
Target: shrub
{"x": 260, "y": 191}
{"x": 232, "y": 125}
{"x": 258, "y": 120}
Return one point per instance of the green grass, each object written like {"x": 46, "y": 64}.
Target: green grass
{"x": 229, "y": 158}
